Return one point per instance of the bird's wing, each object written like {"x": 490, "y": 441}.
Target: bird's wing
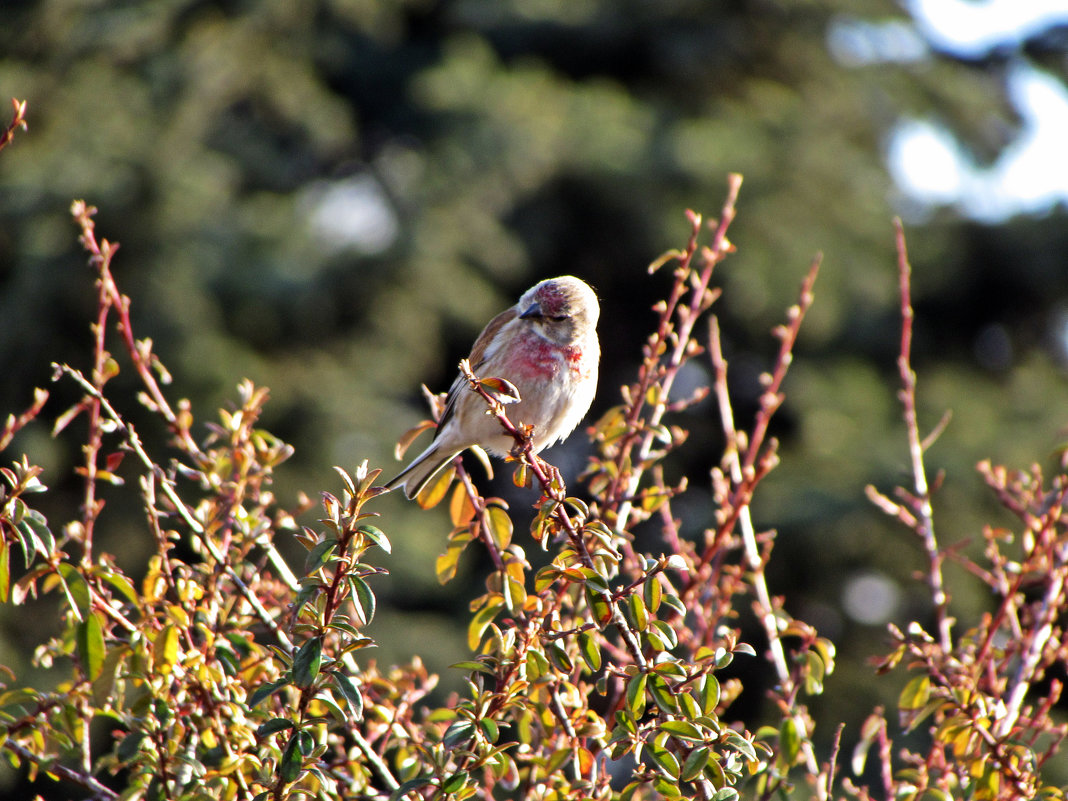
{"x": 476, "y": 359}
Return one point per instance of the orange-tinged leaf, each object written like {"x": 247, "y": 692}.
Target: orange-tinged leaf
{"x": 500, "y": 390}
{"x": 461, "y": 510}
{"x": 434, "y": 492}
{"x": 521, "y": 476}
{"x": 585, "y": 761}
{"x": 410, "y": 436}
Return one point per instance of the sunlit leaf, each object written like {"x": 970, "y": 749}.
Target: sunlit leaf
{"x": 682, "y": 729}
{"x": 376, "y": 536}
{"x": 499, "y": 527}
{"x": 165, "y": 649}
{"x": 789, "y": 741}
{"x": 652, "y": 592}
{"x": 91, "y": 651}
{"x": 461, "y": 510}
{"x": 446, "y": 565}
{"x": 665, "y": 761}
{"x": 455, "y": 782}
{"x": 591, "y": 652}
{"x": 76, "y": 589}
{"x": 695, "y": 763}
{"x": 559, "y": 656}
{"x": 662, "y": 695}
{"x": 636, "y": 695}
{"x": 273, "y": 726}
{"x": 481, "y": 620}
{"x": 435, "y": 491}
{"x": 306, "y": 662}
{"x": 502, "y": 391}
{"x": 916, "y": 693}
{"x": 265, "y": 690}
{"x": 363, "y": 599}
{"x": 350, "y": 692}
{"x": 292, "y": 760}
{"x": 320, "y": 554}
{"x": 600, "y": 608}
{"x": 5, "y": 571}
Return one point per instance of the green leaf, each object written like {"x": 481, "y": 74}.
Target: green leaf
{"x": 130, "y": 746}
{"x": 350, "y": 692}
{"x": 666, "y": 761}
{"x": 695, "y": 763}
{"x": 591, "y": 652}
{"x": 274, "y": 725}
{"x": 639, "y": 615}
{"x": 265, "y": 691}
{"x": 455, "y": 782}
{"x": 482, "y": 619}
{"x": 916, "y": 693}
{"x": 91, "y": 651}
{"x": 122, "y": 584}
{"x": 76, "y": 590}
{"x": 292, "y": 760}
{"x": 559, "y": 656}
{"x": 363, "y": 598}
{"x": 790, "y": 741}
{"x": 636, "y": 695}
{"x": 490, "y": 729}
{"x": 320, "y": 555}
{"x": 306, "y": 662}
{"x": 667, "y": 633}
{"x": 472, "y": 664}
{"x": 741, "y": 745}
{"x": 599, "y": 606}
{"x": 708, "y": 693}
{"x": 104, "y": 685}
{"x": 376, "y": 536}
{"x": 459, "y": 731}
{"x": 682, "y": 729}
{"x": 662, "y": 695}
{"x": 652, "y": 593}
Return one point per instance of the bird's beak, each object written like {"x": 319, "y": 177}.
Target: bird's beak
{"x": 533, "y": 310}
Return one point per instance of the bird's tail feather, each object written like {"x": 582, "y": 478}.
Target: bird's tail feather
{"x": 420, "y": 472}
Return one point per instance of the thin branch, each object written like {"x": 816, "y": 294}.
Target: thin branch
{"x": 17, "y": 123}
{"x": 924, "y": 513}
{"x": 85, "y": 780}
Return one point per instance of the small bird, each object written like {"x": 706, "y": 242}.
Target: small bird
{"x": 546, "y": 346}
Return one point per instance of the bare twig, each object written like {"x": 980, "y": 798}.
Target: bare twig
{"x": 923, "y": 511}
{"x": 17, "y": 123}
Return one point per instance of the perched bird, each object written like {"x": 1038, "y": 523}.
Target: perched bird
{"x": 546, "y": 346}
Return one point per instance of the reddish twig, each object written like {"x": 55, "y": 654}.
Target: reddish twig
{"x": 18, "y": 122}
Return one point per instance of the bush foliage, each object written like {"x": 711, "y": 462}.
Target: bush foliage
{"x": 218, "y": 671}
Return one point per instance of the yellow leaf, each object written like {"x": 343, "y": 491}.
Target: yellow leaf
{"x": 499, "y": 526}
{"x": 461, "y": 510}
{"x": 435, "y": 491}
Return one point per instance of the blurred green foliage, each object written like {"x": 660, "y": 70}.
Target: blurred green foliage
{"x": 330, "y": 197}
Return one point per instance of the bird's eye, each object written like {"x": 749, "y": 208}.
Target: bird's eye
{"x": 559, "y": 317}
